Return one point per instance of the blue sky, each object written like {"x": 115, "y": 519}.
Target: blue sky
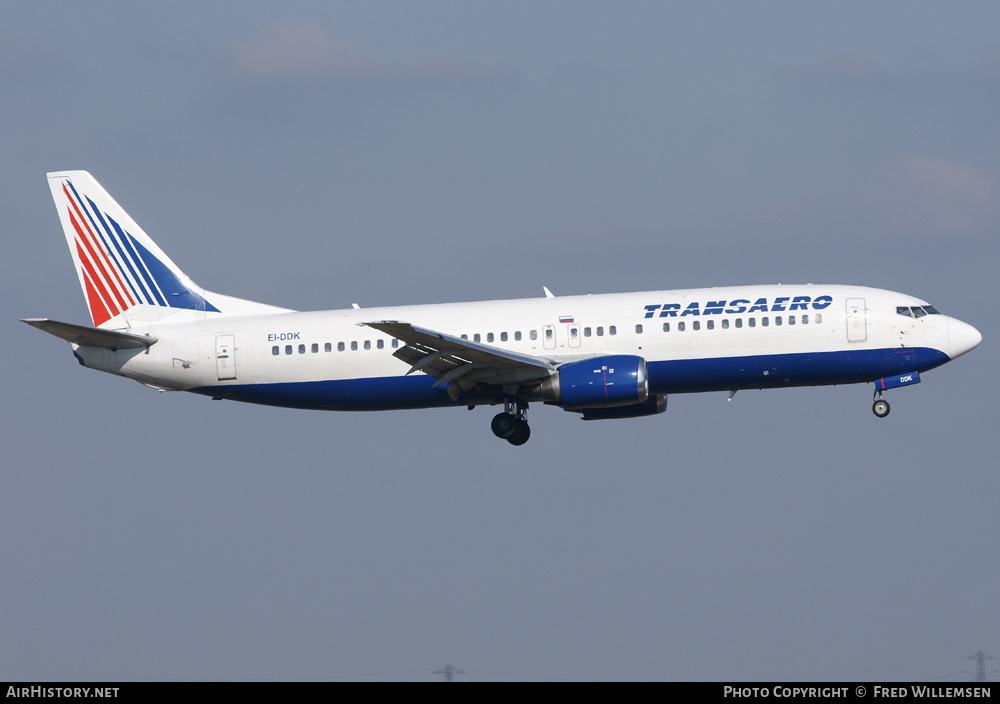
{"x": 389, "y": 153}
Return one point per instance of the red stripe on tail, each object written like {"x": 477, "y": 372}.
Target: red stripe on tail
{"x": 99, "y": 312}
{"x": 100, "y": 258}
{"x": 90, "y": 268}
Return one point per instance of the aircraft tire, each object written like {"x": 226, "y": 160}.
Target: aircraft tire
{"x": 880, "y": 408}
{"x": 521, "y": 434}
{"x": 504, "y": 425}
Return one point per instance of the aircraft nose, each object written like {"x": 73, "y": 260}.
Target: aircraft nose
{"x": 964, "y": 337}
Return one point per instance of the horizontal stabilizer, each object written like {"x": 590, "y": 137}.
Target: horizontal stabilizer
{"x": 91, "y": 337}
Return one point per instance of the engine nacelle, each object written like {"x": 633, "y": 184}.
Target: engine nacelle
{"x": 601, "y": 382}
{"x": 650, "y": 407}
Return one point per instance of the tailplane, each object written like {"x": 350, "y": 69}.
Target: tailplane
{"x": 125, "y": 277}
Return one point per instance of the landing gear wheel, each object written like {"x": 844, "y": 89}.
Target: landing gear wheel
{"x": 880, "y": 408}
{"x": 504, "y": 425}
{"x": 512, "y": 424}
{"x": 521, "y": 434}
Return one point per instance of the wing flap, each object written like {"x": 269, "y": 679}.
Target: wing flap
{"x": 462, "y": 364}
{"x": 91, "y": 337}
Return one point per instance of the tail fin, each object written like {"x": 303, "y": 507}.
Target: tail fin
{"x": 125, "y": 277}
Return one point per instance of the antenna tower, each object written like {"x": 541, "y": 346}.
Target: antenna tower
{"x": 980, "y": 658}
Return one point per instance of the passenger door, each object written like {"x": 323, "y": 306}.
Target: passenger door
{"x": 857, "y": 320}
{"x": 225, "y": 357}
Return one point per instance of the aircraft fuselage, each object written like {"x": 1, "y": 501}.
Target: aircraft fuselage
{"x": 695, "y": 340}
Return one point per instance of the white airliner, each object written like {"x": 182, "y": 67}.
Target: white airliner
{"x": 605, "y": 356}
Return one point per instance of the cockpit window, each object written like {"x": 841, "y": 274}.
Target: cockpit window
{"x": 916, "y": 311}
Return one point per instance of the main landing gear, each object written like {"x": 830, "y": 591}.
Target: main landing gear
{"x": 512, "y": 424}
{"x": 880, "y": 407}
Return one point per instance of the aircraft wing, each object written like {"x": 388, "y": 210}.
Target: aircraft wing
{"x": 462, "y": 364}
{"x": 91, "y": 337}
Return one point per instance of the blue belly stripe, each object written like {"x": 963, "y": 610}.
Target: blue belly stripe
{"x": 786, "y": 370}
{"x": 666, "y": 377}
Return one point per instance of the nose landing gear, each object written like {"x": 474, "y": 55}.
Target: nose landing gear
{"x": 512, "y": 424}
{"x": 880, "y": 407}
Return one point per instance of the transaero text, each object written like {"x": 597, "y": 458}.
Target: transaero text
{"x": 737, "y": 306}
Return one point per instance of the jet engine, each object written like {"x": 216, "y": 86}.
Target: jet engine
{"x": 601, "y": 382}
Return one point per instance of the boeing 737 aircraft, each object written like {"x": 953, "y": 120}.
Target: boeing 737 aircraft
{"x": 606, "y": 356}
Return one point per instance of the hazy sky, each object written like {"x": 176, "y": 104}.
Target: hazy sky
{"x": 399, "y": 152}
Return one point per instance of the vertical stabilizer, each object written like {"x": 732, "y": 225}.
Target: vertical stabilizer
{"x": 124, "y": 275}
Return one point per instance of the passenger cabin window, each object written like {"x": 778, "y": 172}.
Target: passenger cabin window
{"x": 638, "y": 329}
{"x": 489, "y": 337}
{"x": 503, "y": 337}
{"x": 315, "y": 347}
{"x": 533, "y": 334}
{"x": 612, "y": 330}
{"x": 328, "y": 347}
{"x": 666, "y": 327}
{"x": 517, "y": 335}
{"x": 340, "y": 346}
{"x": 275, "y": 350}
